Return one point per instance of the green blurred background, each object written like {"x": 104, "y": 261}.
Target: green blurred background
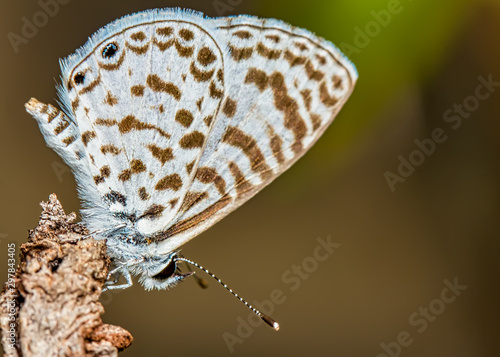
{"x": 396, "y": 246}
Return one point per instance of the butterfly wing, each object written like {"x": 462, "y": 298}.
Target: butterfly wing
{"x": 174, "y": 120}
{"x": 283, "y": 87}
{"x": 141, "y": 96}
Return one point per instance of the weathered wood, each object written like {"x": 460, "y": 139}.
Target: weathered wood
{"x": 51, "y": 307}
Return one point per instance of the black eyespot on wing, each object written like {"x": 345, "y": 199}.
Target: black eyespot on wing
{"x": 110, "y": 50}
{"x": 79, "y": 78}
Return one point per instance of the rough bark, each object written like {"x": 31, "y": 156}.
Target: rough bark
{"x": 51, "y": 305}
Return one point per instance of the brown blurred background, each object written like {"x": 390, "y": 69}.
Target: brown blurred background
{"x": 395, "y": 247}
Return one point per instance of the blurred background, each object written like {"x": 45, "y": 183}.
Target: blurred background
{"x": 404, "y": 184}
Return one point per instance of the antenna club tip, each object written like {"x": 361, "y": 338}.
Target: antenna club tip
{"x": 274, "y": 324}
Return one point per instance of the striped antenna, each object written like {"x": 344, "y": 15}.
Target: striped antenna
{"x": 268, "y": 320}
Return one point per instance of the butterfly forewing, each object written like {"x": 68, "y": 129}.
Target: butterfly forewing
{"x": 284, "y": 88}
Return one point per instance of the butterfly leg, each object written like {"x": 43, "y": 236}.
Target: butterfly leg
{"x": 175, "y": 279}
{"x": 123, "y": 267}
{"x": 201, "y": 282}
{"x": 128, "y": 278}
{"x": 123, "y": 270}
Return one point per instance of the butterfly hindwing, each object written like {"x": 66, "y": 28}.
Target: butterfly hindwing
{"x": 144, "y": 100}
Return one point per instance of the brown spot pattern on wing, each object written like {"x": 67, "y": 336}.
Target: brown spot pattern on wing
{"x": 183, "y": 51}
{"x": 153, "y": 212}
{"x": 125, "y": 175}
{"x": 241, "y": 54}
{"x": 301, "y": 46}
{"x": 257, "y": 77}
{"x": 206, "y": 56}
{"x": 312, "y": 73}
{"x": 241, "y": 184}
{"x": 189, "y": 167}
{"x": 143, "y": 194}
{"x": 98, "y": 179}
{"x": 321, "y": 59}
{"x": 306, "y": 95}
{"x": 69, "y": 140}
{"x": 91, "y": 86}
{"x": 289, "y": 106}
{"x": 199, "y": 75}
{"x": 104, "y": 173}
{"x": 337, "y": 82}
{"x": 192, "y": 140}
{"x": 158, "y": 85}
{"x": 208, "y": 120}
{"x": 235, "y": 137}
{"x": 186, "y": 34}
{"x": 170, "y": 182}
{"x": 110, "y": 149}
{"x": 274, "y": 38}
{"x": 105, "y": 122}
{"x": 137, "y": 166}
{"x": 110, "y": 99}
{"x": 165, "y": 31}
{"x": 276, "y": 144}
{"x": 173, "y": 202}
{"x": 52, "y": 113}
{"x": 138, "y": 36}
{"x": 229, "y": 107}
{"x": 325, "y": 97}
{"x": 268, "y": 53}
{"x": 208, "y": 175}
{"x": 63, "y": 124}
{"x": 163, "y": 46}
{"x": 75, "y": 103}
{"x": 214, "y": 92}
{"x": 282, "y": 101}
{"x": 294, "y": 60}
{"x": 138, "y": 50}
{"x": 163, "y": 155}
{"x": 132, "y": 123}
{"x": 244, "y": 35}
{"x": 316, "y": 121}
{"x": 137, "y": 90}
{"x": 199, "y": 102}
{"x": 184, "y": 117}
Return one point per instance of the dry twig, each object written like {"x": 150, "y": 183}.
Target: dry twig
{"x": 51, "y": 307}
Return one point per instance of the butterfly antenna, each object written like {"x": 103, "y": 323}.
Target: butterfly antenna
{"x": 264, "y": 317}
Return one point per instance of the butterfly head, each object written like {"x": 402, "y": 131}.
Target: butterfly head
{"x": 161, "y": 272}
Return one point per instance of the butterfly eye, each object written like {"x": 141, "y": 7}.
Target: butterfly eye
{"x": 110, "y": 50}
{"x": 167, "y": 272}
{"x": 79, "y": 78}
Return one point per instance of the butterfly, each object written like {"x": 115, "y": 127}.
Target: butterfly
{"x": 171, "y": 120}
